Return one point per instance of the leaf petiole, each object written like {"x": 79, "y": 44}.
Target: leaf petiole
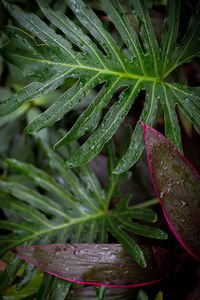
{"x": 147, "y": 203}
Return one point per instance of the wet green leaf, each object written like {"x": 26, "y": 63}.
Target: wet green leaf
{"x": 54, "y": 60}
{"x": 67, "y": 205}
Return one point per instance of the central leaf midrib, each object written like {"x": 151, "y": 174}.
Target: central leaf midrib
{"x": 72, "y": 222}
{"x": 102, "y": 71}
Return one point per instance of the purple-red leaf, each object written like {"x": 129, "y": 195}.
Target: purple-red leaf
{"x": 100, "y": 264}
{"x": 177, "y": 185}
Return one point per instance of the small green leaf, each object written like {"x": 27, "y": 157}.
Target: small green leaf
{"x": 142, "y": 295}
{"x": 69, "y": 205}
{"x": 8, "y": 276}
{"x": 127, "y": 243}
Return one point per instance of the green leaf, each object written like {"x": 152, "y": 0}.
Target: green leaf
{"x": 159, "y": 296}
{"x": 142, "y": 295}
{"x": 26, "y": 277}
{"x": 128, "y": 243}
{"x": 28, "y": 292}
{"x": 188, "y": 100}
{"x": 100, "y": 292}
{"x": 8, "y": 276}
{"x": 53, "y": 60}
{"x": 53, "y": 288}
{"x": 172, "y": 128}
{"x": 189, "y": 45}
{"x": 148, "y": 36}
{"x": 136, "y": 145}
{"x": 170, "y": 32}
{"x": 107, "y": 128}
{"x": 69, "y": 205}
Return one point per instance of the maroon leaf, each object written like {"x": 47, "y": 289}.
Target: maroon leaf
{"x": 101, "y": 264}
{"x": 177, "y": 185}
{"x": 89, "y": 292}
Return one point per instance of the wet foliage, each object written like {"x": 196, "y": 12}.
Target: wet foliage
{"x": 73, "y": 75}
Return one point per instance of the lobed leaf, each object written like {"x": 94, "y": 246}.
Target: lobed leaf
{"x": 177, "y": 185}
{"x": 69, "y": 205}
{"x": 53, "y": 60}
{"x": 170, "y": 32}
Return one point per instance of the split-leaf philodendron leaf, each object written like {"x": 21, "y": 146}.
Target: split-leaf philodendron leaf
{"x": 71, "y": 205}
{"x": 54, "y": 60}
{"x": 100, "y": 264}
{"x": 177, "y": 185}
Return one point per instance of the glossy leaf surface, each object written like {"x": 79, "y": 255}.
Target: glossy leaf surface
{"x": 177, "y": 185}
{"x": 54, "y": 60}
{"x": 101, "y": 264}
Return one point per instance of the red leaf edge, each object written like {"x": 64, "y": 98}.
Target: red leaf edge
{"x": 144, "y": 126}
{"x": 82, "y": 282}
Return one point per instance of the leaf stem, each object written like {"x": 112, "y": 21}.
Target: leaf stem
{"x": 148, "y": 203}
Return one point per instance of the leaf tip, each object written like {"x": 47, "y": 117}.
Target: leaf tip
{"x": 143, "y": 125}
{"x": 69, "y": 164}
{"x": 56, "y": 146}
{"x": 164, "y": 236}
{"x": 28, "y": 130}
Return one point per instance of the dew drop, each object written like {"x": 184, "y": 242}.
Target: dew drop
{"x": 161, "y": 194}
{"x": 168, "y": 190}
{"x": 183, "y": 203}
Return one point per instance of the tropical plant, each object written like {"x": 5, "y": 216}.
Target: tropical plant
{"x": 87, "y": 65}
{"x": 78, "y": 212}
{"x": 53, "y": 60}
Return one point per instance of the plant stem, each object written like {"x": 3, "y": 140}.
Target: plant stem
{"x": 148, "y": 203}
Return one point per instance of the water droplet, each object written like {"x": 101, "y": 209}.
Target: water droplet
{"x": 161, "y": 194}
{"x": 183, "y": 203}
{"x": 168, "y": 190}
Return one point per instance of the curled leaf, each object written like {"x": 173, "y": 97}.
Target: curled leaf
{"x": 177, "y": 185}
{"x": 100, "y": 264}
